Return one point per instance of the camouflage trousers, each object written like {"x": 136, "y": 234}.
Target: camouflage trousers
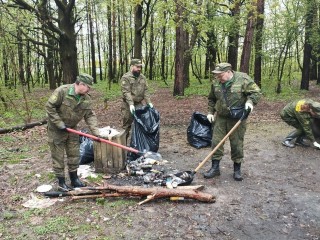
{"x": 292, "y": 122}
{"x": 127, "y": 117}
{"x": 61, "y": 143}
{"x": 222, "y": 126}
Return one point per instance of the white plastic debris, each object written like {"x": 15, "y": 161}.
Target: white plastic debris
{"x": 35, "y": 202}
{"x": 85, "y": 171}
{"x": 108, "y": 132}
{"x": 44, "y": 188}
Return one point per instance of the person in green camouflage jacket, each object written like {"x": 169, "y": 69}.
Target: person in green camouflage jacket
{"x": 134, "y": 89}
{"x": 66, "y": 107}
{"x": 299, "y": 114}
{"x": 230, "y": 89}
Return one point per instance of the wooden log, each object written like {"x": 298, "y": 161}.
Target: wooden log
{"x": 158, "y": 192}
{"x": 23, "y": 127}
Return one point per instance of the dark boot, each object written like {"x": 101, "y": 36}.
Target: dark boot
{"x": 75, "y": 181}
{"x": 300, "y": 141}
{"x": 237, "y": 172}
{"x": 287, "y": 141}
{"x": 214, "y": 170}
{"x": 62, "y": 184}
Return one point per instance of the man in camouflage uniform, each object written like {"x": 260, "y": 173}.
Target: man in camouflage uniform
{"x": 240, "y": 91}
{"x": 299, "y": 114}
{"x": 134, "y": 89}
{"x": 66, "y": 107}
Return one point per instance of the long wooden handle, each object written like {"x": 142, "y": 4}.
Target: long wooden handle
{"x": 104, "y": 141}
{"x": 219, "y": 144}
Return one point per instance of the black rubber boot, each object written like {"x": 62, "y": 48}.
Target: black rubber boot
{"x": 300, "y": 141}
{"x": 237, "y": 172}
{"x": 75, "y": 181}
{"x": 214, "y": 170}
{"x": 62, "y": 184}
{"x": 287, "y": 141}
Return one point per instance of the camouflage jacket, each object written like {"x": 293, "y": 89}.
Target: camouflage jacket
{"x": 64, "y": 108}
{"x": 134, "y": 89}
{"x": 304, "y": 118}
{"x": 239, "y": 90}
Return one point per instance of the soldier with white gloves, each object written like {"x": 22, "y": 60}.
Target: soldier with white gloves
{"x": 232, "y": 96}
{"x": 134, "y": 89}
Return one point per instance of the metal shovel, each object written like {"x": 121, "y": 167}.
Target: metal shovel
{"x": 189, "y": 175}
{"x": 146, "y": 154}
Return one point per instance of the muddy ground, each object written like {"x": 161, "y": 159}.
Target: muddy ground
{"x": 278, "y": 199}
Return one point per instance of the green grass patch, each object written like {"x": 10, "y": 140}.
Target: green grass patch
{"x": 55, "y": 225}
{"x": 7, "y": 139}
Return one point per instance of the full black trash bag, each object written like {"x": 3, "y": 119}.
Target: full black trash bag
{"x": 86, "y": 149}
{"x": 315, "y": 126}
{"x": 145, "y": 131}
{"x": 199, "y": 132}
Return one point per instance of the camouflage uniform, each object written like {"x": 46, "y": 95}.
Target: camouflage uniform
{"x": 134, "y": 90}
{"x": 66, "y": 109}
{"x": 239, "y": 90}
{"x": 299, "y": 120}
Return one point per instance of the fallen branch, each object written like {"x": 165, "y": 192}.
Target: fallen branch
{"x": 157, "y": 192}
{"x": 23, "y": 127}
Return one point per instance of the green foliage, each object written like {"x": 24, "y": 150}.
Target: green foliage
{"x": 55, "y": 225}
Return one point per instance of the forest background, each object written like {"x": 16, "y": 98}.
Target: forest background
{"x": 47, "y": 43}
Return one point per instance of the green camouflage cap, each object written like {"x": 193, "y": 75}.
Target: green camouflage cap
{"x": 222, "y": 67}
{"x": 85, "y": 78}
{"x": 136, "y": 62}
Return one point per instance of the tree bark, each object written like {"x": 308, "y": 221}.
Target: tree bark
{"x": 178, "y": 89}
{"x": 258, "y": 42}
{"x": 234, "y": 34}
{"x": 151, "y": 193}
{"x": 310, "y": 12}
{"x": 247, "y": 44}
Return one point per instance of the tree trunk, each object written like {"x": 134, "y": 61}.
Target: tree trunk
{"x": 110, "y": 66}
{"x": 178, "y": 89}
{"x": 137, "y": 32}
{"x": 92, "y": 44}
{"x": 310, "y": 12}
{"x": 151, "y": 49}
{"x": 114, "y": 42}
{"x": 258, "y": 42}
{"x": 98, "y": 42}
{"x": 247, "y": 44}
{"x": 234, "y": 34}
{"x": 163, "y": 72}
{"x": 68, "y": 45}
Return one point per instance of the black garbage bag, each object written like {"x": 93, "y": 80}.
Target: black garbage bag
{"x": 199, "y": 132}
{"x": 315, "y": 126}
{"x": 86, "y": 149}
{"x": 145, "y": 131}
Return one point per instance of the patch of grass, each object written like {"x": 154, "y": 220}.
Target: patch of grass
{"x": 8, "y": 215}
{"x": 55, "y": 225}
{"x": 7, "y": 138}
{"x": 119, "y": 203}
{"x": 100, "y": 201}
{"x": 95, "y": 179}
{"x": 16, "y": 198}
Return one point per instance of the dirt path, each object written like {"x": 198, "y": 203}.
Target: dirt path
{"x": 278, "y": 199}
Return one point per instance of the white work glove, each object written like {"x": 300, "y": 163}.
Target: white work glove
{"x": 150, "y": 105}
{"x": 248, "y": 106}
{"x": 210, "y": 117}
{"x": 132, "y": 109}
{"x": 317, "y": 145}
